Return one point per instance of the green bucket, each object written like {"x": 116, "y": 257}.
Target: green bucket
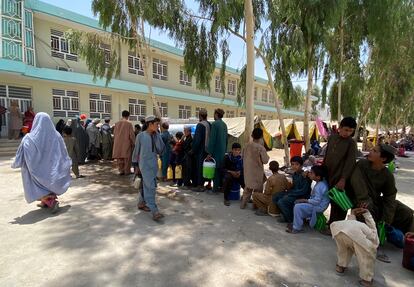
{"x": 340, "y": 198}
{"x": 209, "y": 168}
{"x": 391, "y": 166}
{"x": 320, "y": 222}
{"x": 381, "y": 232}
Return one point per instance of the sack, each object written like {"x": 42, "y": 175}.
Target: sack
{"x": 340, "y": 198}
{"x": 178, "y": 172}
{"x": 395, "y": 236}
{"x": 381, "y": 232}
{"x": 170, "y": 173}
{"x": 137, "y": 182}
{"x": 320, "y": 222}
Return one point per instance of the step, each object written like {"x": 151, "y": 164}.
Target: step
{"x": 7, "y": 154}
{"x": 7, "y": 145}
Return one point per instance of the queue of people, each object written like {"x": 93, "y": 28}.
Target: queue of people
{"x": 368, "y": 183}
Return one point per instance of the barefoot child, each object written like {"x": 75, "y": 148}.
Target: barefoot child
{"x": 275, "y": 184}
{"x": 354, "y": 237}
{"x": 73, "y": 150}
{"x": 318, "y": 201}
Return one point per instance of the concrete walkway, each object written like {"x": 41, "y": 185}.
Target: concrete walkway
{"x": 100, "y": 239}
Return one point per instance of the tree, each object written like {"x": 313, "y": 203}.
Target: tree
{"x": 296, "y": 36}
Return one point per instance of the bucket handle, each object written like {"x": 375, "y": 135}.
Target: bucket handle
{"x": 212, "y": 159}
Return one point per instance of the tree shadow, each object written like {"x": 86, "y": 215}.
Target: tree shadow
{"x": 37, "y": 215}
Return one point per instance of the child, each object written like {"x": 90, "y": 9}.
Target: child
{"x": 254, "y": 157}
{"x": 300, "y": 189}
{"x": 354, "y": 237}
{"x": 233, "y": 171}
{"x": 318, "y": 201}
{"x": 73, "y": 150}
{"x": 340, "y": 159}
{"x": 178, "y": 158}
{"x": 275, "y": 184}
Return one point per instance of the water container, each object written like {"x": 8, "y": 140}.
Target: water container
{"x": 235, "y": 191}
{"x": 408, "y": 252}
{"x": 340, "y": 198}
{"x": 209, "y": 167}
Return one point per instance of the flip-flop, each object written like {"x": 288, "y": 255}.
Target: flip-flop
{"x": 338, "y": 272}
{"x": 362, "y": 284}
{"x": 157, "y": 217}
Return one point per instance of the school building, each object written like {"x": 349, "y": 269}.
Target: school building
{"x": 38, "y": 68}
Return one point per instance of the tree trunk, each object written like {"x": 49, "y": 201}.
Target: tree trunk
{"x": 340, "y": 68}
{"x": 279, "y": 111}
{"x": 145, "y": 62}
{"x": 308, "y": 100}
{"x": 248, "y": 11}
{"x": 378, "y": 119}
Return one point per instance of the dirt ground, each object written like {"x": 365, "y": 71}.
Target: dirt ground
{"x": 99, "y": 238}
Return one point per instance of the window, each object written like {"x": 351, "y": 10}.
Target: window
{"x": 107, "y": 52}
{"x": 135, "y": 65}
{"x": 264, "y": 95}
{"x": 242, "y": 114}
{"x": 262, "y": 117}
{"x": 65, "y": 103}
{"x": 184, "y": 112}
{"x": 163, "y": 109}
{"x": 271, "y": 98}
{"x": 137, "y": 109}
{"x": 61, "y": 48}
{"x": 184, "y": 78}
{"x": 159, "y": 69}
{"x": 255, "y": 94}
{"x": 229, "y": 114}
{"x": 231, "y": 88}
{"x": 99, "y": 106}
{"x": 219, "y": 87}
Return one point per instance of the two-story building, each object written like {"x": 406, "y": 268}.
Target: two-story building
{"x": 39, "y": 69}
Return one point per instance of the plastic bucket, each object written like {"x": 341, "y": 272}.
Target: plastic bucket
{"x": 295, "y": 148}
{"x": 340, "y": 198}
{"x": 320, "y": 222}
{"x": 209, "y": 168}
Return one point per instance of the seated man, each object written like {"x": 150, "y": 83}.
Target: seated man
{"x": 373, "y": 184}
{"x": 233, "y": 171}
{"x": 300, "y": 190}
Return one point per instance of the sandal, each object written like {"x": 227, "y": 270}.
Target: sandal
{"x": 340, "y": 270}
{"x": 144, "y": 208}
{"x": 365, "y": 283}
{"x": 157, "y": 216}
{"x": 383, "y": 258}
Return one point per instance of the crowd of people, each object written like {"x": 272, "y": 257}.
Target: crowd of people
{"x": 156, "y": 155}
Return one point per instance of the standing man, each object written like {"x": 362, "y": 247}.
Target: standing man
{"x": 217, "y": 147}
{"x": 3, "y": 111}
{"x": 188, "y": 170}
{"x": 200, "y": 143}
{"x": 148, "y": 146}
{"x": 165, "y": 159}
{"x": 94, "y": 139}
{"x": 124, "y": 139}
{"x": 107, "y": 141}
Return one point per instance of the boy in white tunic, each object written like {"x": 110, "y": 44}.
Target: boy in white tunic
{"x": 355, "y": 237}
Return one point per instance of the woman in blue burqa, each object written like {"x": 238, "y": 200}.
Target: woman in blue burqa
{"x": 44, "y": 163}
